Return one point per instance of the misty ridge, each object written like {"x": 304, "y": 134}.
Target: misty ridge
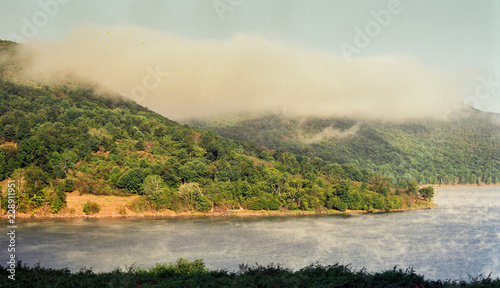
{"x": 185, "y": 79}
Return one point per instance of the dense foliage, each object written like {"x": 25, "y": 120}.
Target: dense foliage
{"x": 185, "y": 273}
{"x": 463, "y": 149}
{"x": 59, "y": 139}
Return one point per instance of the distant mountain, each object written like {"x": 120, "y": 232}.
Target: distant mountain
{"x": 464, "y": 149}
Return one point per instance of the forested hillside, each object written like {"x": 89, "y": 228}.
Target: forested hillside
{"x": 58, "y": 139}
{"x": 464, "y": 149}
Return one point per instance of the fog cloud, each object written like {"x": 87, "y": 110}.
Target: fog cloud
{"x": 184, "y": 79}
{"x": 329, "y": 133}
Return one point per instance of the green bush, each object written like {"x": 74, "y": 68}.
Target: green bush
{"x": 384, "y": 191}
{"x": 139, "y": 205}
{"x": 68, "y": 185}
{"x": 181, "y": 266}
{"x": 427, "y": 192}
{"x": 203, "y": 204}
{"x": 132, "y": 180}
{"x": 91, "y": 208}
{"x": 263, "y": 203}
{"x": 184, "y": 273}
{"x": 56, "y": 205}
{"x": 139, "y": 145}
{"x": 379, "y": 202}
{"x": 336, "y": 203}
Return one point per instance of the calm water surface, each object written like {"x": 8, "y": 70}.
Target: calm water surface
{"x": 460, "y": 237}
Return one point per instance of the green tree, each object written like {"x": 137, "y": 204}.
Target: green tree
{"x": 412, "y": 188}
{"x": 378, "y": 202}
{"x": 8, "y": 161}
{"x": 189, "y": 142}
{"x": 66, "y": 104}
{"x": 378, "y": 183}
{"x": 139, "y": 145}
{"x": 9, "y": 132}
{"x": 265, "y": 201}
{"x": 169, "y": 173}
{"x": 153, "y": 187}
{"x": 427, "y": 192}
{"x": 188, "y": 193}
{"x": 203, "y": 204}
{"x": 353, "y": 172}
{"x": 194, "y": 170}
{"x": 115, "y": 175}
{"x": 264, "y": 156}
{"x": 35, "y": 181}
{"x": 342, "y": 190}
{"x": 336, "y": 203}
{"x": 23, "y": 130}
{"x": 68, "y": 185}
{"x": 132, "y": 180}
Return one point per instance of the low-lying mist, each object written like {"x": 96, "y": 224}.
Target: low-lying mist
{"x": 184, "y": 79}
{"x": 330, "y": 133}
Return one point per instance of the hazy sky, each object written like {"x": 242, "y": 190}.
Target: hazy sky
{"x": 450, "y": 36}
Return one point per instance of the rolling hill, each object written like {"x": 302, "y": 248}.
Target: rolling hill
{"x": 56, "y": 139}
{"x": 463, "y": 149}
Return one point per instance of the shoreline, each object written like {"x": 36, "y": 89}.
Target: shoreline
{"x": 435, "y": 186}
{"x": 111, "y": 204}
{"x": 231, "y": 213}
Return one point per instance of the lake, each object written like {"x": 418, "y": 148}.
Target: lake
{"x": 458, "y": 238}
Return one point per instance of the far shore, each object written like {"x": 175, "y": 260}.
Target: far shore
{"x": 460, "y": 185}
{"x": 435, "y": 186}
{"x": 111, "y": 206}
{"x": 230, "y": 213}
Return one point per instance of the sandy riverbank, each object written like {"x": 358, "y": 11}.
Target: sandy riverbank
{"x": 236, "y": 213}
{"x": 116, "y": 206}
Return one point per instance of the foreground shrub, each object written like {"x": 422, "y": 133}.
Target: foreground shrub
{"x": 91, "y": 207}
{"x": 181, "y": 266}
{"x": 139, "y": 205}
{"x": 184, "y": 273}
